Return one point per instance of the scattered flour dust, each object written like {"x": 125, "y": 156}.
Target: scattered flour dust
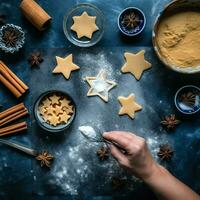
{"x": 93, "y": 63}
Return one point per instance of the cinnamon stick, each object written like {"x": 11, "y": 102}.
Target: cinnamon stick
{"x": 11, "y": 80}
{"x": 13, "y": 117}
{"x": 12, "y": 110}
{"x": 10, "y": 86}
{"x": 35, "y": 14}
{"x": 13, "y": 128}
{"x": 23, "y": 85}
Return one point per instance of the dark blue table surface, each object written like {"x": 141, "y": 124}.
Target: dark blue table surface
{"x": 77, "y": 173}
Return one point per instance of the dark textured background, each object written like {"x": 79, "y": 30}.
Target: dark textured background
{"x": 77, "y": 173}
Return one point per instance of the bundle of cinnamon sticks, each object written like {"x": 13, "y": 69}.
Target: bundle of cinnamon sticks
{"x": 10, "y": 115}
{"x": 11, "y": 81}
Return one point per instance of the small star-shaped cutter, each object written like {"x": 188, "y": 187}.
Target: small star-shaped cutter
{"x": 107, "y": 85}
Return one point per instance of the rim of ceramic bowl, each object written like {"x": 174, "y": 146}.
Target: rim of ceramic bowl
{"x": 176, "y": 95}
{"x": 186, "y": 70}
{"x": 66, "y": 16}
{"x": 131, "y": 7}
{"x": 37, "y": 103}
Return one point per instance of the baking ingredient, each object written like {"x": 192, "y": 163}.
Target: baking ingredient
{"x": 135, "y": 64}
{"x": 45, "y": 159}
{"x": 131, "y": 20}
{"x": 15, "y": 128}
{"x": 84, "y": 25}
{"x": 178, "y": 38}
{"x": 56, "y": 109}
{"x": 129, "y": 106}
{"x": 103, "y": 153}
{"x": 35, "y": 59}
{"x": 12, "y": 114}
{"x": 65, "y": 66}
{"x": 10, "y": 36}
{"x": 165, "y": 152}
{"x": 35, "y": 14}
{"x": 11, "y": 81}
{"x": 188, "y": 98}
{"x": 170, "y": 122}
{"x": 100, "y": 86}
{"x": 88, "y": 131}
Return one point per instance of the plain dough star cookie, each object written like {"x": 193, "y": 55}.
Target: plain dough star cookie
{"x": 100, "y": 86}
{"x": 84, "y": 25}
{"x": 135, "y": 64}
{"x": 65, "y": 66}
{"x": 129, "y": 106}
{"x": 54, "y": 99}
{"x": 64, "y": 117}
{"x": 53, "y": 120}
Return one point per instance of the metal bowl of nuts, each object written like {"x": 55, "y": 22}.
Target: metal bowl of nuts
{"x": 54, "y": 111}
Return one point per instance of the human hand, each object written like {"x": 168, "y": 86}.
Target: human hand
{"x": 137, "y": 159}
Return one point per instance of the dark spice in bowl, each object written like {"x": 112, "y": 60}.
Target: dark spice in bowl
{"x": 131, "y": 21}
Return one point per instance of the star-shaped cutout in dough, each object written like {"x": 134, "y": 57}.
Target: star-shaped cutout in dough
{"x": 65, "y": 66}
{"x": 100, "y": 86}
{"x": 135, "y": 64}
{"x": 129, "y": 106}
{"x": 84, "y": 25}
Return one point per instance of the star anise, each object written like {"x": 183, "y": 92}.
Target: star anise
{"x": 118, "y": 183}
{"x": 188, "y": 98}
{"x": 165, "y": 152}
{"x": 10, "y": 37}
{"x": 131, "y": 20}
{"x": 103, "y": 153}
{"x": 170, "y": 122}
{"x": 2, "y": 18}
{"x": 35, "y": 59}
{"x": 45, "y": 159}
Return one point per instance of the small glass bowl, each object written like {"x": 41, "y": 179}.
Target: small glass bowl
{"x": 189, "y": 104}
{"x": 77, "y": 11}
{"x": 132, "y": 31}
{"x": 44, "y": 125}
{"x": 19, "y": 43}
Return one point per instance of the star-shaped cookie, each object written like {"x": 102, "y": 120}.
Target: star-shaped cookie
{"x": 54, "y": 99}
{"x": 84, "y": 25}
{"x": 129, "y": 106}
{"x": 100, "y": 86}
{"x": 135, "y": 64}
{"x": 65, "y": 66}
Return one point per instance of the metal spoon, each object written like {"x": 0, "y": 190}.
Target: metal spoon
{"x": 95, "y": 136}
{"x": 44, "y": 158}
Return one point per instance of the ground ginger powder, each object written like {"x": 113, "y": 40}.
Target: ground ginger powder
{"x": 179, "y": 39}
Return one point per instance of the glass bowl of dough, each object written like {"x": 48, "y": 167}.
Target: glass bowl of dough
{"x": 176, "y": 36}
{"x": 54, "y": 111}
{"x": 83, "y": 25}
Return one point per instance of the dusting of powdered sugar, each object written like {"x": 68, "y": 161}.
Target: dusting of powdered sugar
{"x": 88, "y": 131}
{"x": 94, "y": 63}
